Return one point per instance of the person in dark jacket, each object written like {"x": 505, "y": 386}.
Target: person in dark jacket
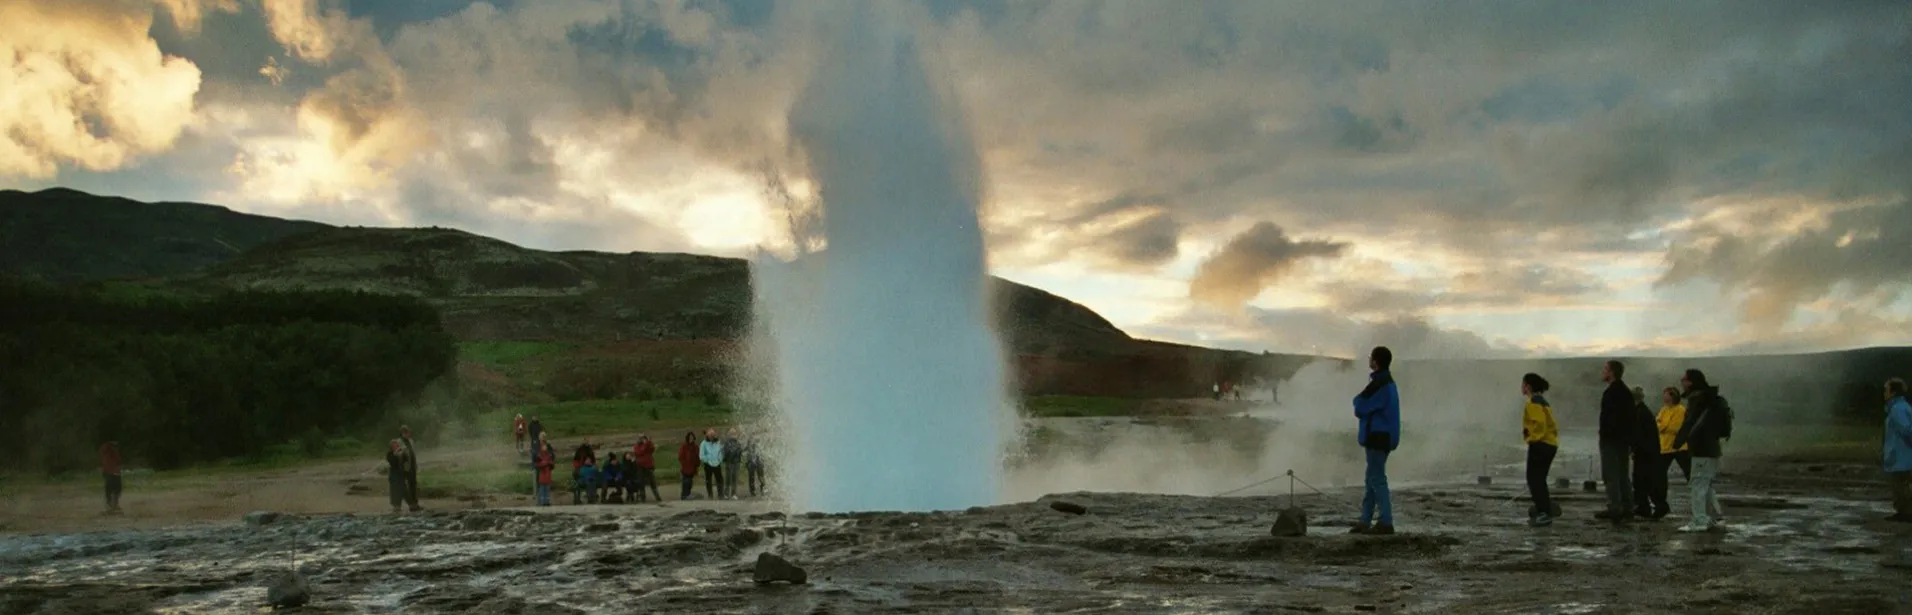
{"x": 545, "y": 459}
{"x": 1378, "y": 408}
{"x": 110, "y": 470}
{"x": 1708, "y": 421}
{"x": 687, "y": 463}
{"x": 397, "y": 458}
{"x": 733, "y": 462}
{"x": 1647, "y": 472}
{"x": 411, "y": 468}
{"x": 1617, "y": 441}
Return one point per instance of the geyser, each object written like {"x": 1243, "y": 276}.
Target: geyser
{"x": 880, "y": 350}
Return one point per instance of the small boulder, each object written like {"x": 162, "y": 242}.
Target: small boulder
{"x": 288, "y": 591}
{"x": 262, "y": 517}
{"x": 743, "y": 537}
{"x": 601, "y": 527}
{"x": 1068, "y": 507}
{"x": 771, "y": 569}
{"x": 1291, "y": 523}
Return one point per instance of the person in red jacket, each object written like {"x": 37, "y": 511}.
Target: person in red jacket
{"x": 110, "y": 469}
{"x": 518, "y": 431}
{"x": 643, "y": 470}
{"x": 546, "y": 459}
{"x": 687, "y": 459}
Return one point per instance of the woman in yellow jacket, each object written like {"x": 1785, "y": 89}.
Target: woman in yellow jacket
{"x": 1543, "y": 442}
{"x": 1672, "y": 415}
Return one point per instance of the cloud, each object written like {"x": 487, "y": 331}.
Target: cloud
{"x": 86, "y": 87}
{"x": 1251, "y": 262}
{"x": 1326, "y": 332}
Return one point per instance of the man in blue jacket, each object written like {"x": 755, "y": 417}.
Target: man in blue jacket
{"x": 1378, "y": 408}
{"x": 1898, "y": 449}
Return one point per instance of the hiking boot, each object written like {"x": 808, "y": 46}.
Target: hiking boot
{"x": 1382, "y": 529}
{"x": 1360, "y": 528}
{"x": 1540, "y": 521}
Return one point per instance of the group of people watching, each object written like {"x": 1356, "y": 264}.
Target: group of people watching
{"x": 620, "y": 477}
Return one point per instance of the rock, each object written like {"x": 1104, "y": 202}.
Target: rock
{"x": 1068, "y": 507}
{"x": 261, "y": 517}
{"x": 771, "y": 569}
{"x": 1292, "y": 522}
{"x": 601, "y": 527}
{"x": 288, "y": 591}
{"x": 358, "y": 489}
{"x": 743, "y": 538}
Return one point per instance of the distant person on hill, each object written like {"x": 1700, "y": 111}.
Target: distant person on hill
{"x": 518, "y": 428}
{"x": 396, "y": 460}
{"x": 544, "y": 461}
{"x": 753, "y": 463}
{"x": 687, "y": 463}
{"x": 110, "y": 471}
{"x": 411, "y": 468}
{"x": 1617, "y": 441}
{"x": 535, "y": 430}
{"x": 1898, "y": 449}
{"x": 1672, "y": 415}
{"x": 733, "y": 462}
{"x": 644, "y": 456}
{"x": 1647, "y": 472}
{"x": 1709, "y": 421}
{"x": 1378, "y": 408}
{"x": 711, "y": 454}
{"x": 1542, "y": 434}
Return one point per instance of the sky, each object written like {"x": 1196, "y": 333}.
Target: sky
{"x": 1466, "y": 178}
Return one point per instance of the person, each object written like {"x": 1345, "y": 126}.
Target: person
{"x": 1647, "y": 473}
{"x": 544, "y": 461}
{"x": 644, "y": 457}
{"x": 1616, "y": 442}
{"x": 1898, "y": 449}
{"x": 535, "y": 430}
{"x": 753, "y": 463}
{"x": 583, "y": 473}
{"x": 711, "y": 453}
{"x": 687, "y": 464}
{"x": 1537, "y": 426}
{"x": 395, "y": 463}
{"x": 611, "y": 487}
{"x": 411, "y": 468}
{"x": 1667, "y": 424}
{"x": 1378, "y": 408}
{"x": 1709, "y": 421}
{"x": 733, "y": 462}
{"x": 110, "y": 471}
{"x": 518, "y": 432}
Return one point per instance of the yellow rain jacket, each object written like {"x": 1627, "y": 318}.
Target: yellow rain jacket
{"x": 1537, "y": 423}
{"x": 1670, "y": 419}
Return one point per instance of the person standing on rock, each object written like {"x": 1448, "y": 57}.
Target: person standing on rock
{"x": 687, "y": 463}
{"x": 644, "y": 457}
{"x": 518, "y": 428}
{"x": 733, "y": 462}
{"x": 1617, "y": 441}
{"x": 1672, "y": 415}
{"x": 110, "y": 471}
{"x": 1378, "y": 408}
{"x": 1543, "y": 443}
{"x": 711, "y": 453}
{"x": 411, "y": 468}
{"x": 397, "y": 458}
{"x": 1709, "y": 421}
{"x": 544, "y": 461}
{"x": 1898, "y": 449}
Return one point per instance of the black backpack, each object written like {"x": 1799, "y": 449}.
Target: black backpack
{"x": 1725, "y": 413}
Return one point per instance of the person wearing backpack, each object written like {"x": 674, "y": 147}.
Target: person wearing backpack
{"x": 1709, "y": 420}
{"x": 1537, "y": 426}
{"x": 1378, "y": 408}
{"x": 1898, "y": 449}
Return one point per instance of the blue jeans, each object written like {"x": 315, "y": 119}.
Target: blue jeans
{"x": 1376, "y": 493}
{"x": 544, "y": 495}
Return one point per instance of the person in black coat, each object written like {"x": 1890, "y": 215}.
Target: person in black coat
{"x": 1617, "y": 442}
{"x": 1648, "y": 470}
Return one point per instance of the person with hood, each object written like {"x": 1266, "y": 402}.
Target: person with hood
{"x": 1898, "y": 449}
{"x": 611, "y": 485}
{"x": 687, "y": 464}
{"x": 584, "y": 474}
{"x": 711, "y": 453}
{"x": 411, "y": 468}
{"x": 644, "y": 470}
{"x": 1537, "y": 426}
{"x": 544, "y": 461}
{"x": 1709, "y": 420}
{"x": 396, "y": 460}
{"x": 1378, "y": 410}
{"x": 1647, "y": 473}
{"x": 518, "y": 432}
{"x": 1672, "y": 415}
{"x": 733, "y": 462}
{"x": 110, "y": 471}
{"x": 1617, "y": 442}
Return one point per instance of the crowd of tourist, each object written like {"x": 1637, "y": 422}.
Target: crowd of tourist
{"x": 601, "y": 476}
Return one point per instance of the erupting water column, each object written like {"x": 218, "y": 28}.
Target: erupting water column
{"x": 883, "y": 360}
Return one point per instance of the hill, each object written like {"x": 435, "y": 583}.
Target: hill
{"x": 603, "y": 323}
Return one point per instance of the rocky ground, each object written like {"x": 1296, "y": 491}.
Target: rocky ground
{"x": 1801, "y": 539}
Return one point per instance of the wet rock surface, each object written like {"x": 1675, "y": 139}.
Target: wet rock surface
{"x": 1794, "y": 546}
{"x": 773, "y": 569}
